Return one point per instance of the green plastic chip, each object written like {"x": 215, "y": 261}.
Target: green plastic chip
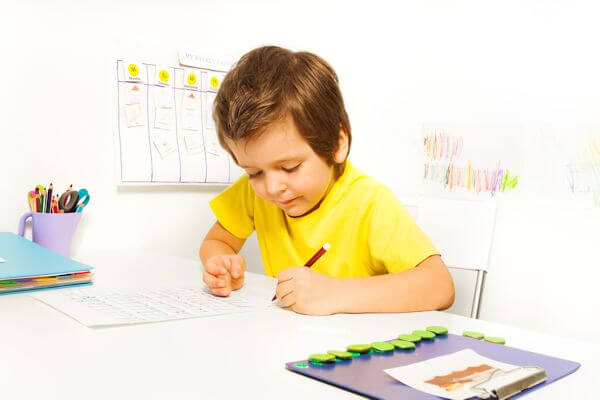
{"x": 382, "y": 346}
{"x": 474, "y": 335}
{"x": 424, "y": 334}
{"x": 403, "y": 344}
{"x": 410, "y": 338}
{"x": 438, "y": 330}
{"x": 344, "y": 355}
{"x": 493, "y": 339}
{"x": 323, "y": 358}
{"x": 358, "y": 348}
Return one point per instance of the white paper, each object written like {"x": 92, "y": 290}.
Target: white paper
{"x": 191, "y": 99}
{"x": 190, "y": 120}
{"x": 212, "y": 143}
{"x": 165, "y": 144}
{"x": 192, "y": 113}
{"x": 193, "y": 59}
{"x": 163, "y": 118}
{"x": 450, "y": 376}
{"x": 193, "y": 143}
{"x": 460, "y": 161}
{"x": 134, "y": 95}
{"x": 97, "y": 307}
{"x": 133, "y": 115}
{"x": 208, "y": 120}
{"x": 163, "y": 98}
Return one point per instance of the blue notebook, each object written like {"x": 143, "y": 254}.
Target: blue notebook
{"x": 25, "y": 265}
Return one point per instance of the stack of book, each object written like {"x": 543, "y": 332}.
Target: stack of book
{"x": 25, "y": 265}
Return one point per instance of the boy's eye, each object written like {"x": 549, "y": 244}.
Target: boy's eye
{"x": 291, "y": 169}
{"x": 254, "y": 175}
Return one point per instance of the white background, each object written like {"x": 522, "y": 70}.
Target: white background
{"x": 524, "y": 62}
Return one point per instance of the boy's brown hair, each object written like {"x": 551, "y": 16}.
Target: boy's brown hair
{"x": 269, "y": 83}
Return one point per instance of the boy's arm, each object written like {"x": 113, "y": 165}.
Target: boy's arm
{"x": 219, "y": 241}
{"x": 428, "y": 286}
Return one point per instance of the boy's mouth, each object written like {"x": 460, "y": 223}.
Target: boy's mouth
{"x": 287, "y": 202}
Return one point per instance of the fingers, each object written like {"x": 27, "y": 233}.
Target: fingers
{"x": 219, "y": 285}
{"x": 285, "y": 293}
{"x": 215, "y": 266}
{"x": 216, "y": 277}
{"x": 223, "y": 292}
{"x": 213, "y": 281}
{"x": 236, "y": 266}
{"x": 224, "y": 273}
{"x": 286, "y": 274}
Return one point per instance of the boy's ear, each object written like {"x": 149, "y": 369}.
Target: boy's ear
{"x": 341, "y": 153}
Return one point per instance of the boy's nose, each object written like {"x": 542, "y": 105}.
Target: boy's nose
{"x": 274, "y": 186}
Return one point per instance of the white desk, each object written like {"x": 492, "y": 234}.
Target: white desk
{"x": 47, "y": 355}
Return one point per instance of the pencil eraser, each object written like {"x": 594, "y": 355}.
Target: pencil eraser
{"x": 438, "y": 330}
{"x": 474, "y": 335}
{"x": 382, "y": 346}
{"x": 410, "y": 338}
{"x": 324, "y": 358}
{"x": 403, "y": 344}
{"x": 427, "y": 335}
{"x": 342, "y": 355}
{"x": 358, "y": 348}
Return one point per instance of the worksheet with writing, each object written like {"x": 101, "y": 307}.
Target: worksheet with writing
{"x": 100, "y": 307}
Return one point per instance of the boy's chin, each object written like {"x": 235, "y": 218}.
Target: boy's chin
{"x": 298, "y": 211}
{"x": 294, "y": 211}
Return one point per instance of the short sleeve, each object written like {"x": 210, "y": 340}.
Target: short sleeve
{"x": 396, "y": 243}
{"x": 234, "y": 208}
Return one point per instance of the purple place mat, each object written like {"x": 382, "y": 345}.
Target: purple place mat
{"x": 364, "y": 375}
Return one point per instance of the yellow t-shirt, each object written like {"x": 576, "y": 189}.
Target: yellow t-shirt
{"x": 369, "y": 230}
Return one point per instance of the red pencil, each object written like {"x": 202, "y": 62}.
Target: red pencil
{"x": 313, "y": 259}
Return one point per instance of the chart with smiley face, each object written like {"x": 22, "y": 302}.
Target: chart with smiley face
{"x": 164, "y": 131}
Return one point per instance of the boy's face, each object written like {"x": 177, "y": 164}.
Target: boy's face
{"x": 283, "y": 168}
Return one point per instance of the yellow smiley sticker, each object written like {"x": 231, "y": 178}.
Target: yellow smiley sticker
{"x": 214, "y": 82}
{"x": 191, "y": 79}
{"x": 163, "y": 75}
{"x": 133, "y": 70}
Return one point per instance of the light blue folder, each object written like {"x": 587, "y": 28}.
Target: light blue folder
{"x": 24, "y": 260}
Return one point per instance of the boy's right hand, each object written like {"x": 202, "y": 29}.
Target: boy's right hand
{"x": 224, "y": 273}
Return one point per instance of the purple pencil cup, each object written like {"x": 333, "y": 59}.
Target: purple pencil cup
{"x": 53, "y": 231}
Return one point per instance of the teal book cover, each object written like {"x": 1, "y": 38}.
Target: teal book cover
{"x": 25, "y": 265}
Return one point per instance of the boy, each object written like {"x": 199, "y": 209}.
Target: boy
{"x": 281, "y": 116}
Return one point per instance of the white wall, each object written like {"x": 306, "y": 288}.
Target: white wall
{"x": 527, "y": 62}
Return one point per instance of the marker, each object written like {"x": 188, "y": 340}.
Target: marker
{"x": 313, "y": 259}
{"x": 49, "y": 199}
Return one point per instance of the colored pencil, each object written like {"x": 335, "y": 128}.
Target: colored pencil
{"x": 313, "y": 259}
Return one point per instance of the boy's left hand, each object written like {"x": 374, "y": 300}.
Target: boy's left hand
{"x": 306, "y": 291}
